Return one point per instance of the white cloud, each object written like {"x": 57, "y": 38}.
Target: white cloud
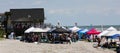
{"x": 93, "y": 10}
{"x": 98, "y": 10}
{"x": 117, "y": 11}
{"x": 60, "y": 11}
{"x": 38, "y": 2}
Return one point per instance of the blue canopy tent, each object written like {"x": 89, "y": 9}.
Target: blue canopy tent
{"x": 84, "y": 31}
{"x": 115, "y": 36}
{"x": 81, "y": 32}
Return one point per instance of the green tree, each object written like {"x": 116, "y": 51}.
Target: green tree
{"x": 7, "y": 15}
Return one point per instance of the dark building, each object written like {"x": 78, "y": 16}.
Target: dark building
{"x": 25, "y": 15}
{"x": 2, "y": 16}
{"x": 21, "y": 19}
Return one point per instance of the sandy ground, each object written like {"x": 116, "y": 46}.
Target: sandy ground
{"x": 15, "y": 46}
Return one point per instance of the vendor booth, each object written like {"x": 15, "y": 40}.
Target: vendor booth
{"x": 92, "y": 34}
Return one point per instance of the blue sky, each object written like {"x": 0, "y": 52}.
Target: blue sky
{"x": 67, "y": 12}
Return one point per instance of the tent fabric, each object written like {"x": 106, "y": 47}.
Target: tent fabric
{"x": 84, "y": 31}
{"x": 93, "y": 31}
{"x": 80, "y": 33}
{"x": 112, "y": 33}
{"x": 74, "y": 29}
{"x": 47, "y": 29}
{"x": 41, "y": 29}
{"x": 107, "y": 31}
{"x": 79, "y": 30}
{"x": 103, "y": 33}
{"x": 51, "y": 29}
{"x": 29, "y": 30}
{"x": 111, "y": 29}
{"x": 33, "y": 29}
{"x": 60, "y": 30}
{"x": 37, "y": 30}
{"x": 115, "y": 36}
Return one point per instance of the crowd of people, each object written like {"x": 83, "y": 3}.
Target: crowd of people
{"x": 61, "y": 37}
{"x": 50, "y": 37}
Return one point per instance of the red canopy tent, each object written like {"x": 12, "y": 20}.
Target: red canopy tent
{"x": 93, "y": 31}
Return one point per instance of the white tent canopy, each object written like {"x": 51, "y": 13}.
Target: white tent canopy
{"x": 111, "y": 29}
{"x": 104, "y": 33}
{"x": 41, "y": 29}
{"x": 37, "y": 30}
{"x": 29, "y": 30}
{"x": 47, "y": 29}
{"x": 74, "y": 29}
{"x": 33, "y": 29}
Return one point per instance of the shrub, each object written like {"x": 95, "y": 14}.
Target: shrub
{"x": 1, "y": 33}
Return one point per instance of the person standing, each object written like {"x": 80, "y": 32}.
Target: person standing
{"x": 11, "y": 36}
